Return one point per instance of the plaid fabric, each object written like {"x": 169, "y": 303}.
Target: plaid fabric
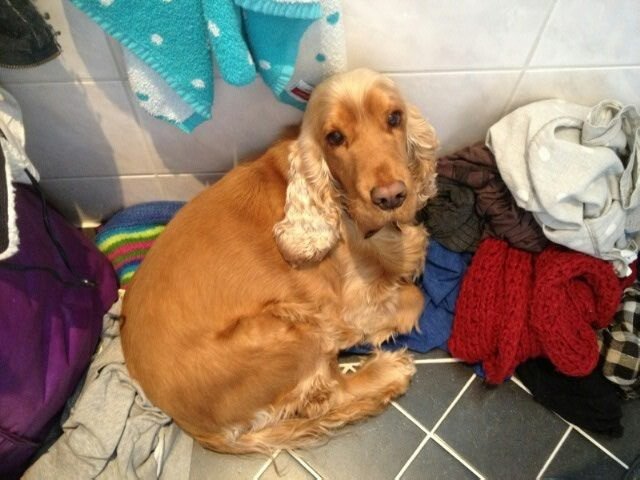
{"x": 620, "y": 344}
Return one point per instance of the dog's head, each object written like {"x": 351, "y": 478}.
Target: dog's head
{"x": 362, "y": 150}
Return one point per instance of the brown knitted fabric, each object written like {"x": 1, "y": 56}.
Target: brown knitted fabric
{"x": 475, "y": 167}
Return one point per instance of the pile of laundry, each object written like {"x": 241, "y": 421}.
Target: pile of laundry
{"x": 548, "y": 212}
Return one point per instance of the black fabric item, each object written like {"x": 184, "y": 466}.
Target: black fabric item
{"x": 590, "y": 402}
{"x": 25, "y": 38}
{"x": 451, "y": 218}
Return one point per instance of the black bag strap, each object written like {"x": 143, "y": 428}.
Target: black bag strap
{"x": 76, "y": 280}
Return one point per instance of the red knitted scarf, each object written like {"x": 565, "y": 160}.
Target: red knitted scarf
{"x": 515, "y": 305}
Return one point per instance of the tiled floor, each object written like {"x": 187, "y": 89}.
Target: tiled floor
{"x": 448, "y": 426}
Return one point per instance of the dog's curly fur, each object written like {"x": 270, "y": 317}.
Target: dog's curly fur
{"x": 233, "y": 323}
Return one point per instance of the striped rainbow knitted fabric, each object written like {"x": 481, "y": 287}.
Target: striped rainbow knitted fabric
{"x": 128, "y": 235}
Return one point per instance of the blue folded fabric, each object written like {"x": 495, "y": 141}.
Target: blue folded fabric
{"x": 440, "y": 284}
{"x": 143, "y": 214}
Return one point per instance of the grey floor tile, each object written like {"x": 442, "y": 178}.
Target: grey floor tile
{"x": 434, "y": 463}
{"x": 349, "y": 358}
{"x": 626, "y": 448}
{"x": 431, "y": 354}
{"x": 501, "y": 431}
{"x": 432, "y": 390}
{"x": 286, "y": 468}
{"x": 374, "y": 450}
{"x": 216, "y": 466}
{"x": 579, "y": 459}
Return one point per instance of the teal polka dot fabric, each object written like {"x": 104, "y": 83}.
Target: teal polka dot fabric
{"x": 173, "y": 44}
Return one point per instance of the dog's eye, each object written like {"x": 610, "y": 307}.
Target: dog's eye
{"x": 394, "y": 118}
{"x": 335, "y": 138}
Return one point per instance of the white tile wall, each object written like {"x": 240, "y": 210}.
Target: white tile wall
{"x": 464, "y": 63}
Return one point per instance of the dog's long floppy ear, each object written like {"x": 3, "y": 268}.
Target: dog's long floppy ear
{"x": 311, "y": 224}
{"x": 421, "y": 145}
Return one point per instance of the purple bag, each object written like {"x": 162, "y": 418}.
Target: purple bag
{"x": 53, "y": 294}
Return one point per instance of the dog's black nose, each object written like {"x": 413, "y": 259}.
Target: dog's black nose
{"x": 389, "y": 196}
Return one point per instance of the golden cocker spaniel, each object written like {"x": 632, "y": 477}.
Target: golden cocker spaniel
{"x": 233, "y": 323}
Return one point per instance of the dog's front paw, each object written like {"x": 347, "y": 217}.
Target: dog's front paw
{"x": 378, "y": 338}
{"x": 399, "y": 369}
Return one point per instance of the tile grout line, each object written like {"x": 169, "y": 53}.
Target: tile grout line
{"x": 427, "y": 361}
{"x": 305, "y": 465}
{"x": 349, "y": 366}
{"x": 597, "y": 444}
{"x": 133, "y": 176}
{"x": 525, "y": 67}
{"x": 519, "y": 383}
{"x": 266, "y": 465}
{"x": 576, "y": 428}
{"x": 440, "y": 441}
{"x": 413, "y": 456}
{"x": 453, "y": 403}
{"x": 432, "y": 432}
{"x": 87, "y": 80}
{"x": 411, "y": 418}
{"x": 154, "y": 158}
{"x": 554, "y": 453}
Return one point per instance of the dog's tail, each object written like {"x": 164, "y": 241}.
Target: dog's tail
{"x": 290, "y": 433}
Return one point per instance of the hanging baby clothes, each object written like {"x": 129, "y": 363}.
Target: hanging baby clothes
{"x": 620, "y": 344}
{"x": 171, "y": 47}
{"x": 576, "y": 169}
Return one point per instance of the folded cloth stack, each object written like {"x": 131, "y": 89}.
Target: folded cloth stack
{"x": 515, "y": 305}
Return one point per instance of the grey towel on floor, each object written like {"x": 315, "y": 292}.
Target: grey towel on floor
{"x": 112, "y": 431}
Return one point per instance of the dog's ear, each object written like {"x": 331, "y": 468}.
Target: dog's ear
{"x": 421, "y": 145}
{"x": 311, "y": 224}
